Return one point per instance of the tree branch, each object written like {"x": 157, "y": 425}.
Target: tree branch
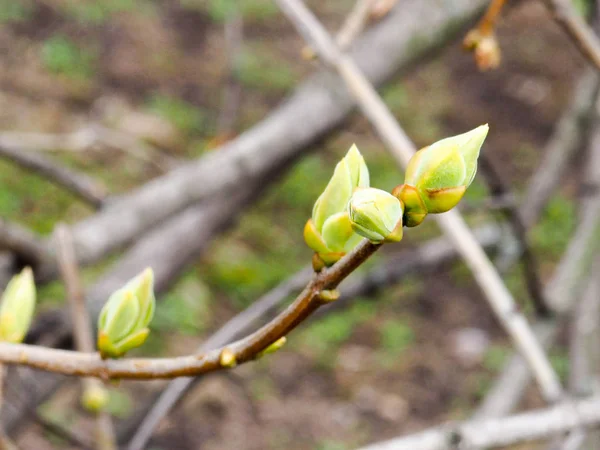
{"x": 84, "y": 364}
{"x": 78, "y": 184}
{"x": 488, "y": 433}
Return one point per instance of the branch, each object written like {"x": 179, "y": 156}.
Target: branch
{"x": 562, "y": 292}
{"x": 78, "y": 184}
{"x": 525, "y": 427}
{"x": 85, "y": 364}
{"x": 498, "y": 296}
{"x": 105, "y": 434}
{"x": 28, "y": 247}
{"x": 580, "y": 32}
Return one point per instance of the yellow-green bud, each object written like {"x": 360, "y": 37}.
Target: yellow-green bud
{"x": 376, "y": 215}
{"x": 17, "y": 307}
{"x": 273, "y": 347}
{"x": 329, "y": 232}
{"x": 95, "y": 397}
{"x": 124, "y": 319}
{"x": 227, "y": 358}
{"x": 441, "y": 173}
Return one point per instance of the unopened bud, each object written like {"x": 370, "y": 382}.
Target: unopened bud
{"x": 227, "y": 358}
{"x": 124, "y": 319}
{"x": 441, "y": 173}
{"x": 485, "y": 48}
{"x": 273, "y": 347}
{"x": 329, "y": 232}
{"x": 17, "y": 307}
{"x": 376, "y": 215}
{"x": 95, "y": 397}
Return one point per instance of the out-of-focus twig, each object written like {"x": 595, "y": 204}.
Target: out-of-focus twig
{"x": 5, "y": 442}
{"x": 82, "y": 332}
{"x": 499, "y": 187}
{"x": 493, "y": 433}
{"x": 498, "y": 296}
{"x": 581, "y": 33}
{"x": 77, "y": 183}
{"x": 23, "y": 243}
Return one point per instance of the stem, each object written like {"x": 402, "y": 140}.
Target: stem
{"x": 68, "y": 362}
{"x": 5, "y": 442}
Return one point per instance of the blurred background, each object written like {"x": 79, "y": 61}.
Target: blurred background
{"x": 164, "y": 82}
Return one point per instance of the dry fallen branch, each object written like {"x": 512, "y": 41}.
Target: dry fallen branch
{"x": 490, "y": 433}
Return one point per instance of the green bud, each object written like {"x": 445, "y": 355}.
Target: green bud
{"x": 227, "y": 358}
{"x": 376, "y": 215}
{"x": 441, "y": 173}
{"x": 95, "y": 397}
{"x": 273, "y": 347}
{"x": 329, "y": 232}
{"x": 18, "y": 304}
{"x": 124, "y": 319}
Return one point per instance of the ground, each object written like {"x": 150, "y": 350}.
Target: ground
{"x": 373, "y": 371}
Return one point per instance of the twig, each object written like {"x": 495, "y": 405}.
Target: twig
{"x": 452, "y": 223}
{"x": 499, "y": 187}
{"x": 85, "y": 138}
{"x": 85, "y": 364}
{"x": 568, "y": 136}
{"x": 491, "y": 433}
{"x": 355, "y": 22}
{"x": 562, "y": 292}
{"x": 582, "y": 34}
{"x": 80, "y": 185}
{"x": 230, "y": 103}
{"x": 105, "y": 434}
{"x": 488, "y": 22}
{"x": 5, "y": 442}
{"x": 28, "y": 247}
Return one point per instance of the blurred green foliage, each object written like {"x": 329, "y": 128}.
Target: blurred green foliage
{"x": 15, "y": 11}
{"x": 396, "y": 336}
{"x": 183, "y": 115}
{"x": 62, "y": 56}
{"x": 98, "y": 12}
{"x": 220, "y": 10}
{"x": 331, "y": 445}
{"x": 553, "y": 232}
{"x": 258, "y": 68}
{"x": 495, "y": 358}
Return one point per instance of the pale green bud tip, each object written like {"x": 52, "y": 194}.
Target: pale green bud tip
{"x": 273, "y": 347}
{"x": 442, "y": 172}
{"x": 17, "y": 307}
{"x": 376, "y": 215}
{"x": 95, "y": 398}
{"x": 124, "y": 319}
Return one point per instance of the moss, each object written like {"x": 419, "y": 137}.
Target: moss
{"x": 62, "y": 56}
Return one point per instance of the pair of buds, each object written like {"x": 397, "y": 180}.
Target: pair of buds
{"x": 348, "y": 209}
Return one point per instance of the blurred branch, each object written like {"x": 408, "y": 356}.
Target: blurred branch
{"x": 78, "y": 184}
{"x": 5, "y": 442}
{"x": 488, "y": 433}
{"x": 568, "y": 136}
{"x": 498, "y": 296}
{"x": 581, "y": 33}
{"x": 23, "y": 243}
{"x": 562, "y": 293}
{"x": 82, "y": 332}
{"x": 499, "y": 187}
{"x": 85, "y": 138}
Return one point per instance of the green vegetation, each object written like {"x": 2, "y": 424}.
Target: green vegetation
{"x": 14, "y": 11}
{"x": 220, "y": 10}
{"x": 63, "y": 56}
{"x": 98, "y": 12}
{"x": 258, "y": 68}
{"x": 396, "y": 337}
{"x": 551, "y": 236}
{"x": 495, "y": 358}
{"x": 185, "y": 116}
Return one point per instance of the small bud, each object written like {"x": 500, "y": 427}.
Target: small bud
{"x": 485, "y": 47}
{"x": 376, "y": 215}
{"x": 441, "y": 173}
{"x": 273, "y": 347}
{"x": 18, "y": 304}
{"x": 95, "y": 397}
{"x": 227, "y": 358}
{"x": 329, "y": 232}
{"x": 124, "y": 319}
{"x": 329, "y": 295}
